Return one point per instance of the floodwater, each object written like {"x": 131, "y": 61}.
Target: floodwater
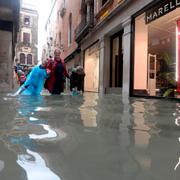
{"x": 89, "y": 138}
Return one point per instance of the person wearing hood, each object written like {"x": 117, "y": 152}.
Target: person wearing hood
{"x": 35, "y": 80}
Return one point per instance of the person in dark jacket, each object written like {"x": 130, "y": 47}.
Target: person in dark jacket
{"x": 73, "y": 79}
{"x": 80, "y": 80}
{"x": 77, "y": 80}
{"x": 55, "y": 83}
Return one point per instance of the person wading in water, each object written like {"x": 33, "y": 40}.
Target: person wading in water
{"x": 56, "y": 80}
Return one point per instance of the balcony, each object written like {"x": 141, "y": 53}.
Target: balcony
{"x": 84, "y": 27}
{"x": 103, "y": 11}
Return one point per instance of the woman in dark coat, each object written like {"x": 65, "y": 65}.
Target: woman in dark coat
{"x": 80, "y": 79}
{"x": 55, "y": 83}
{"x": 73, "y": 79}
{"x": 77, "y": 79}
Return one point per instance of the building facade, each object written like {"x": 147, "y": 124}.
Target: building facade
{"x": 138, "y": 47}
{"x": 105, "y": 39}
{"x": 26, "y": 49}
{"x": 50, "y": 28}
{"x": 9, "y": 22}
{"x": 126, "y": 47}
{"x": 60, "y": 31}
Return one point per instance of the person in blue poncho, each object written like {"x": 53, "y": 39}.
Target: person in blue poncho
{"x": 35, "y": 80}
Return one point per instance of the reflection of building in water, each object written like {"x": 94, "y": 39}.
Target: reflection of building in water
{"x": 88, "y": 117}
{"x": 140, "y": 128}
{"x": 141, "y": 136}
{"x": 35, "y": 166}
{"x": 88, "y": 112}
{"x": 22, "y": 138}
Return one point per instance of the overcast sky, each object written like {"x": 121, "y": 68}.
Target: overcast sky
{"x": 43, "y": 10}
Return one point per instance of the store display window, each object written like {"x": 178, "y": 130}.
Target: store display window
{"x": 157, "y": 54}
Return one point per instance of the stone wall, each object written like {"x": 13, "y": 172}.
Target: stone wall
{"x": 6, "y": 63}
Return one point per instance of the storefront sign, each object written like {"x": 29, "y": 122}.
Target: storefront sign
{"x": 161, "y": 9}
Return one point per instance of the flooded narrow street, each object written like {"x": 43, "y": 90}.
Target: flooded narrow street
{"x": 89, "y": 138}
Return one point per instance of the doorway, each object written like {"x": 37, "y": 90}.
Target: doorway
{"x": 116, "y": 62}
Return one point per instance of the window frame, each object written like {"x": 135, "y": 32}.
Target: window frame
{"x": 26, "y": 38}
{"x": 27, "y": 17}
{"x": 30, "y": 55}
{"x": 23, "y": 59}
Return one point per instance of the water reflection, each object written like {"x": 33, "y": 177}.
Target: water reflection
{"x": 177, "y": 122}
{"x": 35, "y": 166}
{"x": 28, "y": 108}
{"x": 22, "y": 136}
{"x": 136, "y": 138}
{"x": 129, "y": 139}
{"x": 88, "y": 112}
{"x": 175, "y": 168}
{"x": 1, "y": 165}
{"x": 43, "y": 109}
{"x": 33, "y": 119}
{"x": 50, "y": 133}
{"x": 141, "y": 130}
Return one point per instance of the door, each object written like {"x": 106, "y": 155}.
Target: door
{"x": 116, "y": 63}
{"x": 152, "y": 74}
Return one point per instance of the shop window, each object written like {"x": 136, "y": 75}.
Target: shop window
{"x": 22, "y": 58}
{"x": 91, "y": 67}
{"x": 27, "y": 21}
{"x": 157, "y": 56}
{"x": 29, "y": 59}
{"x": 26, "y": 39}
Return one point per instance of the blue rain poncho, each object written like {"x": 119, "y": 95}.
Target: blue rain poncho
{"x": 34, "y": 82}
